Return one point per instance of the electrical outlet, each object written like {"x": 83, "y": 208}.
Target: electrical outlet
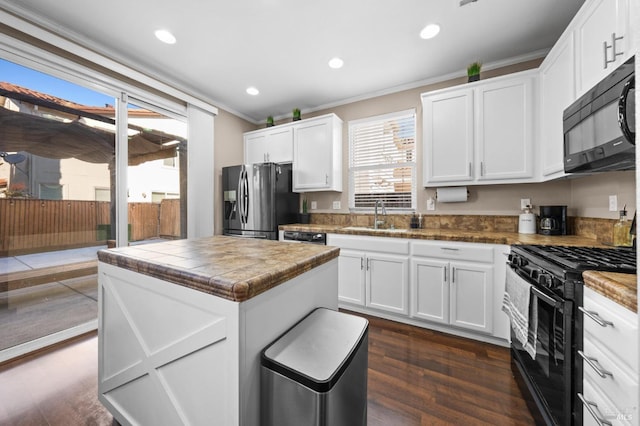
{"x": 613, "y": 203}
{"x": 431, "y": 204}
{"x": 524, "y": 202}
{"x": 336, "y": 205}
{"x": 314, "y": 205}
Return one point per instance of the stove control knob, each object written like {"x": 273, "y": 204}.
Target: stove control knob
{"x": 545, "y": 280}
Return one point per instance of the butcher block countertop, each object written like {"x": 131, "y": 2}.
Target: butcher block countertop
{"x": 440, "y": 234}
{"x": 621, "y": 288}
{"x": 232, "y": 268}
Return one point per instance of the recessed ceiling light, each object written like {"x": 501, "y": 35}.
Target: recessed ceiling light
{"x": 430, "y": 31}
{"x": 253, "y": 91}
{"x": 165, "y": 36}
{"x": 336, "y": 63}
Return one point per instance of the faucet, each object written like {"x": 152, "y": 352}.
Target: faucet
{"x": 377, "y": 222}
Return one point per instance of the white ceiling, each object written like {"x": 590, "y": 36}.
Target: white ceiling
{"x": 282, "y": 46}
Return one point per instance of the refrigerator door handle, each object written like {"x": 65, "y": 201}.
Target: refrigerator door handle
{"x": 240, "y": 196}
{"x": 245, "y": 197}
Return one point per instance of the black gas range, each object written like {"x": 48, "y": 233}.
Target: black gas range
{"x": 553, "y": 376}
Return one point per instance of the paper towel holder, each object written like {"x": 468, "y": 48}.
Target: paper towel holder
{"x": 453, "y": 199}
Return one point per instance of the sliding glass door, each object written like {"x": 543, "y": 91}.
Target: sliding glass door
{"x": 60, "y": 184}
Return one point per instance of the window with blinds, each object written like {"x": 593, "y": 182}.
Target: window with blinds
{"x": 382, "y": 161}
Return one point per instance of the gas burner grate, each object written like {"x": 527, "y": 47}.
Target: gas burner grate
{"x": 584, "y": 258}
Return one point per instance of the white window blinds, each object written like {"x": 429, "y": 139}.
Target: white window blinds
{"x": 382, "y": 161}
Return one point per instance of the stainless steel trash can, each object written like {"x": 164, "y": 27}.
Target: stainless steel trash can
{"x": 316, "y": 373}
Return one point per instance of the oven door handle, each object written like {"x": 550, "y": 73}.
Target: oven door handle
{"x": 547, "y": 299}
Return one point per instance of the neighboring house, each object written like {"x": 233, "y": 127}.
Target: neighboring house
{"x": 74, "y": 179}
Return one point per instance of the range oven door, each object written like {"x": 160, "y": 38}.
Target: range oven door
{"x": 548, "y": 376}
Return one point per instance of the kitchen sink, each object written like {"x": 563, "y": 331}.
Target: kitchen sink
{"x": 371, "y": 228}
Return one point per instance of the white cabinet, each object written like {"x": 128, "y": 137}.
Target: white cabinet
{"x": 274, "y": 145}
{"x": 317, "y": 154}
{"x": 481, "y": 133}
{"x": 557, "y": 92}
{"x": 373, "y": 272}
{"x": 610, "y": 361}
{"x": 449, "y": 291}
{"x": 448, "y": 137}
{"x": 603, "y": 40}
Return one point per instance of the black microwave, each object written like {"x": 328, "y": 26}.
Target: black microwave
{"x": 599, "y": 128}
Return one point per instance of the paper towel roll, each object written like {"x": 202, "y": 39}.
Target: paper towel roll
{"x": 453, "y": 194}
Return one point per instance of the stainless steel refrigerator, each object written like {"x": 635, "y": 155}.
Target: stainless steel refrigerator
{"x": 258, "y": 198}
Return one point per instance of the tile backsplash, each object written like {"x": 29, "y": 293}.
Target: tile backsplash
{"x": 597, "y": 228}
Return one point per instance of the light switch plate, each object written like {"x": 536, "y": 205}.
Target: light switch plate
{"x": 314, "y": 205}
{"x": 524, "y": 202}
{"x": 613, "y": 203}
{"x": 336, "y": 205}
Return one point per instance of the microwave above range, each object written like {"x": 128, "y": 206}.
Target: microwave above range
{"x": 599, "y": 128}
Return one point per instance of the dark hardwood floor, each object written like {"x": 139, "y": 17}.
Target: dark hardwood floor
{"x": 416, "y": 377}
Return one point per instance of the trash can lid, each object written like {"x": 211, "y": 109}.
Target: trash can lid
{"x": 317, "y": 347}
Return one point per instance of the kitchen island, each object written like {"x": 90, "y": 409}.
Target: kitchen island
{"x": 182, "y": 323}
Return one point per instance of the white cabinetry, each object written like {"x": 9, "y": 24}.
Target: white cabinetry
{"x": 481, "y": 133}
{"x": 373, "y": 272}
{"x": 274, "y": 145}
{"x": 317, "y": 154}
{"x": 603, "y": 40}
{"x": 557, "y": 92}
{"x": 610, "y": 366}
{"x": 449, "y": 290}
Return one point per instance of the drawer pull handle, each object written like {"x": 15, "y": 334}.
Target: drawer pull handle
{"x": 594, "y": 316}
{"x": 592, "y": 407}
{"x": 593, "y": 363}
{"x": 450, "y": 248}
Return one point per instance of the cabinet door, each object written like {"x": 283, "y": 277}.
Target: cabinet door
{"x": 280, "y": 145}
{"x": 313, "y": 151}
{"x": 557, "y": 91}
{"x": 505, "y": 129}
{"x": 351, "y": 277}
{"x": 448, "y": 137}
{"x": 387, "y": 282}
{"x": 255, "y": 148}
{"x": 430, "y": 290}
{"x": 595, "y": 29}
{"x": 472, "y": 296}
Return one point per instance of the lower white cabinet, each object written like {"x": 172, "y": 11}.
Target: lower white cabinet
{"x": 448, "y": 286}
{"x": 453, "y": 292}
{"x": 610, "y": 362}
{"x": 374, "y": 280}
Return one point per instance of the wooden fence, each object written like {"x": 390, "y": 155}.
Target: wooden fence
{"x": 32, "y": 226}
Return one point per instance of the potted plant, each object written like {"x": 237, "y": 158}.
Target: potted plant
{"x": 270, "y": 121}
{"x": 473, "y": 71}
{"x": 296, "y": 114}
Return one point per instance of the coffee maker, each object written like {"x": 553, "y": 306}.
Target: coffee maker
{"x": 553, "y": 220}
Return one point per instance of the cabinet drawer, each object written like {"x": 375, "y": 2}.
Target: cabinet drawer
{"x": 453, "y": 251}
{"x": 621, "y": 338}
{"x": 380, "y": 244}
{"x": 603, "y": 408}
{"x": 620, "y": 386}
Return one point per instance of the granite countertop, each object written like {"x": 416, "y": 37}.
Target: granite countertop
{"x": 232, "y": 268}
{"x": 621, "y": 288}
{"x": 507, "y": 238}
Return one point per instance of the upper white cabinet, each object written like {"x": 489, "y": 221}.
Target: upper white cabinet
{"x": 274, "y": 145}
{"x": 448, "y": 136}
{"x": 480, "y": 133}
{"x": 317, "y": 154}
{"x": 603, "y": 40}
{"x": 314, "y": 146}
{"x": 557, "y": 92}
